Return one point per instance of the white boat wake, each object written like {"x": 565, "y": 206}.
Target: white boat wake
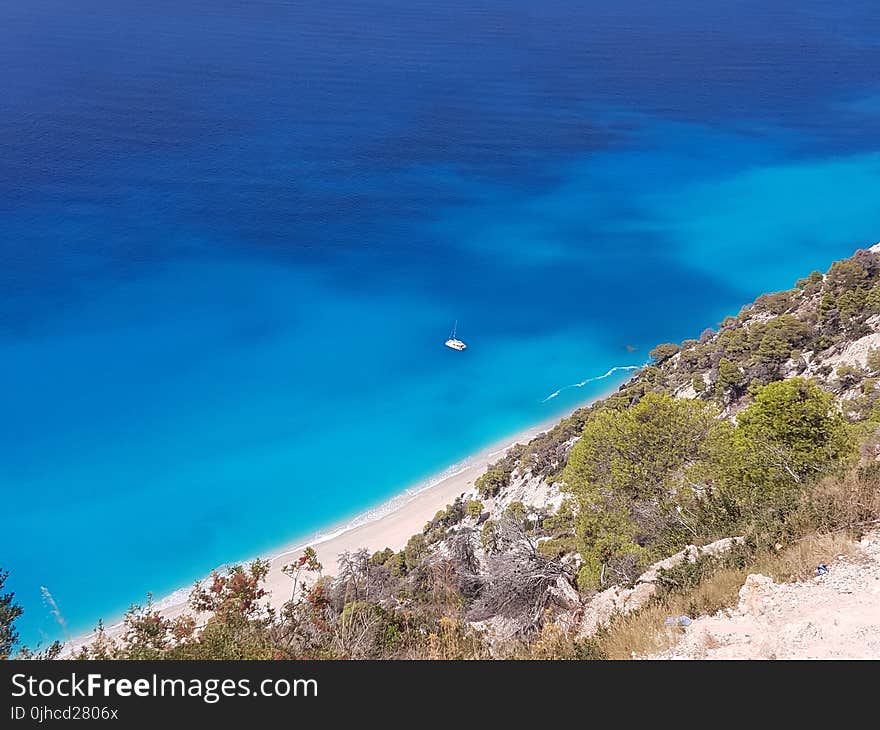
{"x": 591, "y": 380}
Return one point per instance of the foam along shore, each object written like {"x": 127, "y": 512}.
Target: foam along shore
{"x": 390, "y": 525}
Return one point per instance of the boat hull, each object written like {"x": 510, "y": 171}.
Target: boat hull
{"x": 455, "y": 345}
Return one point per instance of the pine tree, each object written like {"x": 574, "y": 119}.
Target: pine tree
{"x": 9, "y": 611}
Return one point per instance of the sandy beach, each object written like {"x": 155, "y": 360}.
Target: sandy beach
{"x": 388, "y": 525}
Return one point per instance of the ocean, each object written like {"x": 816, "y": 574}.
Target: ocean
{"x": 234, "y": 235}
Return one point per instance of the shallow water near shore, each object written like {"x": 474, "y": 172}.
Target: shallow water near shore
{"x": 234, "y": 237}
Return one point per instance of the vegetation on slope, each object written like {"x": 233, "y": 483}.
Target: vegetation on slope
{"x": 652, "y": 478}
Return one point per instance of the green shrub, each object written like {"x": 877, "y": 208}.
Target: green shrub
{"x": 556, "y": 547}
{"x": 846, "y": 275}
{"x": 415, "y": 550}
{"x": 848, "y": 375}
{"x": 492, "y": 482}
{"x": 664, "y": 352}
{"x": 562, "y": 520}
{"x": 621, "y": 471}
{"x": 474, "y": 508}
{"x": 516, "y": 511}
{"x": 381, "y": 557}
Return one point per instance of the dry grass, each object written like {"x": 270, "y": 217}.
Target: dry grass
{"x": 639, "y": 633}
{"x": 799, "y": 560}
{"x": 842, "y": 502}
{"x": 646, "y": 632}
{"x": 552, "y": 643}
{"x": 452, "y": 640}
{"x": 857, "y": 494}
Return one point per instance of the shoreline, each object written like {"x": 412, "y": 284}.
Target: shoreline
{"x": 389, "y": 524}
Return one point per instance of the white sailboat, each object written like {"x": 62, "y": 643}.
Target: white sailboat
{"x": 454, "y": 343}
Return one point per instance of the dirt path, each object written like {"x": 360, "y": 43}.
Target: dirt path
{"x": 831, "y": 616}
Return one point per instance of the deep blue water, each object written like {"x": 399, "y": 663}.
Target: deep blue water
{"x": 235, "y": 234}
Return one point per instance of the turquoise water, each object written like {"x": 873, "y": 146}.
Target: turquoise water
{"x": 235, "y": 235}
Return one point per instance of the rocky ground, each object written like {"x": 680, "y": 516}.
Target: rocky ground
{"x": 831, "y": 616}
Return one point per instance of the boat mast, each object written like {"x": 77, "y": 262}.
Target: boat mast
{"x": 454, "y": 327}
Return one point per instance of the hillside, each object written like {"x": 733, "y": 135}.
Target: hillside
{"x": 748, "y": 450}
{"x": 833, "y": 615}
